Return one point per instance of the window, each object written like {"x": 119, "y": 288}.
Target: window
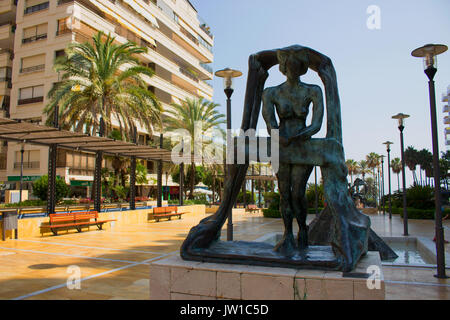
{"x": 63, "y": 26}
{"x": 35, "y": 5}
{"x": 34, "y": 33}
{"x": 5, "y": 74}
{"x": 31, "y": 159}
{"x": 60, "y": 53}
{"x": 31, "y": 94}
{"x": 33, "y": 63}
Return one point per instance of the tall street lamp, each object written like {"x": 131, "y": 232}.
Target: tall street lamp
{"x": 388, "y": 149}
{"x": 401, "y": 121}
{"x": 429, "y": 53}
{"x": 22, "y": 145}
{"x": 228, "y": 74}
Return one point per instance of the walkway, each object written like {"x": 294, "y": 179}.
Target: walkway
{"x": 114, "y": 263}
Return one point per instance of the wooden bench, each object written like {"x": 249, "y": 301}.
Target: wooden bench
{"x": 166, "y": 212}
{"x": 252, "y": 207}
{"x": 75, "y": 219}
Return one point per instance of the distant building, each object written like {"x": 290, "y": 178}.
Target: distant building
{"x": 34, "y": 32}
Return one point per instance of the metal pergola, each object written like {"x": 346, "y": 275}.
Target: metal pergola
{"x": 53, "y": 137}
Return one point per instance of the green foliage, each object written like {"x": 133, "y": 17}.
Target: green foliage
{"x": 102, "y": 78}
{"x": 311, "y": 196}
{"x": 417, "y": 197}
{"x": 121, "y": 192}
{"x": 40, "y": 187}
{"x": 271, "y": 213}
{"x": 26, "y": 203}
{"x": 414, "y": 213}
{"x": 115, "y": 134}
{"x": 248, "y": 197}
{"x": 274, "y": 207}
{"x": 199, "y": 175}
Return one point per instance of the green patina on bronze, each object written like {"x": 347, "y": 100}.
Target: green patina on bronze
{"x": 343, "y": 235}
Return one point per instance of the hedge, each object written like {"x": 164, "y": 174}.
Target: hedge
{"x": 274, "y": 213}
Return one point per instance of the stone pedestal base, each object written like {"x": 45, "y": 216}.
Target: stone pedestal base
{"x": 174, "y": 278}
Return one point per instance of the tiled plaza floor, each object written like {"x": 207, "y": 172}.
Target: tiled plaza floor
{"x": 114, "y": 264}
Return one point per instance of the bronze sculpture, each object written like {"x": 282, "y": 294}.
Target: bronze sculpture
{"x": 346, "y": 229}
{"x": 291, "y": 100}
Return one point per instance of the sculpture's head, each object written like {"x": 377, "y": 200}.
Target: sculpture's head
{"x": 293, "y": 61}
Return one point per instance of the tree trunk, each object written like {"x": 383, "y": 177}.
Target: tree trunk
{"x": 191, "y": 195}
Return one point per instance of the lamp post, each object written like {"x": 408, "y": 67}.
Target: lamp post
{"x": 429, "y": 53}
{"x": 388, "y": 149}
{"x": 22, "y": 144}
{"x": 382, "y": 184}
{"x": 228, "y": 74}
{"x": 316, "y": 196}
{"x": 400, "y": 117}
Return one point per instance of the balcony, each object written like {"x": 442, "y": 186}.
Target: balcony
{"x": 36, "y": 8}
{"x": 7, "y": 33}
{"x": 39, "y": 67}
{"x": 63, "y": 31}
{"x": 34, "y": 38}
{"x": 28, "y": 165}
{"x": 6, "y": 56}
{"x": 188, "y": 74}
{"x": 446, "y": 120}
{"x": 8, "y": 82}
{"x": 61, "y": 2}
{"x": 189, "y": 35}
{"x": 206, "y": 28}
{"x": 8, "y": 6}
{"x": 30, "y": 100}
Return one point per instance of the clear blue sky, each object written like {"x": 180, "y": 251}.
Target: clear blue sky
{"x": 377, "y": 76}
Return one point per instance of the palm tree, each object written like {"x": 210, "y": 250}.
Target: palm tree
{"x": 373, "y": 160}
{"x": 412, "y": 160}
{"x": 363, "y": 168}
{"x": 425, "y": 161}
{"x": 189, "y": 115}
{"x": 396, "y": 166}
{"x": 103, "y": 80}
{"x": 352, "y": 167}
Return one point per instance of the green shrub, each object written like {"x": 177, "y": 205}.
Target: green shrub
{"x": 275, "y": 213}
{"x": 418, "y": 197}
{"x": 271, "y": 213}
{"x": 414, "y": 213}
{"x": 26, "y": 203}
{"x": 311, "y": 195}
{"x": 248, "y": 197}
{"x": 40, "y": 187}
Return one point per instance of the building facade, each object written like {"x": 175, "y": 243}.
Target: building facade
{"x": 34, "y": 32}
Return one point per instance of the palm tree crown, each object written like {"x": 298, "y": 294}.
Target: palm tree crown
{"x": 396, "y": 166}
{"x": 189, "y": 115}
{"x": 352, "y": 167}
{"x": 103, "y": 80}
